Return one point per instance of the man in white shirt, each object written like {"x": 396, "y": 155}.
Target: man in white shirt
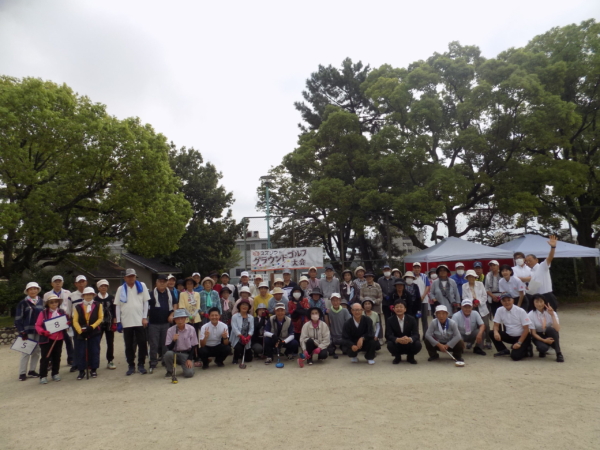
{"x": 516, "y": 329}
{"x": 214, "y": 340}
{"x": 131, "y": 302}
{"x": 521, "y": 270}
{"x": 540, "y": 275}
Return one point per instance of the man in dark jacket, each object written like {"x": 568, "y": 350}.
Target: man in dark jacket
{"x": 387, "y": 289}
{"x": 358, "y": 335}
{"x": 160, "y": 314}
{"x": 402, "y": 334}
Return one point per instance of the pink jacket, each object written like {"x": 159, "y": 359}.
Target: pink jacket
{"x": 41, "y": 329}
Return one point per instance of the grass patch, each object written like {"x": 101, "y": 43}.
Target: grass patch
{"x": 6, "y": 321}
{"x": 585, "y": 296}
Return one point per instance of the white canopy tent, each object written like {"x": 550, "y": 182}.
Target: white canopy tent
{"x": 456, "y": 249}
{"x": 538, "y": 246}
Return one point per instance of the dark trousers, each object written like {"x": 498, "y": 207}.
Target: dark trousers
{"x": 334, "y": 343}
{"x": 291, "y": 348}
{"x": 515, "y": 354}
{"x": 404, "y": 349}
{"x": 219, "y": 352}
{"x": 424, "y": 309}
{"x": 311, "y": 347}
{"x": 493, "y": 307}
{"x": 387, "y": 312}
{"x": 457, "y": 350}
{"x": 110, "y": 344}
{"x": 542, "y": 347}
{"x": 551, "y": 299}
{"x": 238, "y": 352}
{"x": 135, "y": 337}
{"x": 369, "y": 346}
{"x": 157, "y": 335}
{"x": 525, "y": 304}
{"x": 68, "y": 340}
{"x": 54, "y": 357}
{"x": 92, "y": 345}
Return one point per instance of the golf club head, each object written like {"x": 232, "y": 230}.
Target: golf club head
{"x": 174, "y": 380}
{"x": 279, "y": 365}
{"x": 242, "y": 366}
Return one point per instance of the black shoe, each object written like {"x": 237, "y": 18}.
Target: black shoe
{"x": 81, "y": 375}
{"x": 560, "y": 357}
{"x": 130, "y": 370}
{"x": 542, "y": 354}
{"x": 411, "y": 360}
{"x": 502, "y": 353}
{"x": 94, "y": 374}
{"x": 397, "y": 359}
{"x": 234, "y": 361}
{"x": 33, "y": 374}
{"x": 168, "y": 374}
{"x": 22, "y": 377}
{"x": 142, "y": 370}
{"x": 220, "y": 364}
{"x": 433, "y": 358}
{"x": 335, "y": 356}
{"x": 204, "y": 366}
{"x": 69, "y": 362}
{"x": 73, "y": 369}
{"x": 460, "y": 360}
{"x": 479, "y": 351}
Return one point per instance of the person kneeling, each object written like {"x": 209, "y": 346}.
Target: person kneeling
{"x": 471, "y": 326}
{"x": 402, "y": 334}
{"x": 182, "y": 343}
{"x": 358, "y": 335}
{"x": 214, "y": 340}
{"x": 315, "y": 338}
{"x": 279, "y": 332}
{"x": 545, "y": 327}
{"x": 516, "y": 323}
{"x": 443, "y": 335}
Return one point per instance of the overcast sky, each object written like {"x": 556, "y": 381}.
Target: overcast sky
{"x": 222, "y": 76}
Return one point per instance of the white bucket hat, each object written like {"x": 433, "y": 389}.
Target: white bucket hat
{"x": 31, "y": 284}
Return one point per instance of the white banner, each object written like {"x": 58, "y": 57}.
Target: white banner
{"x": 286, "y": 258}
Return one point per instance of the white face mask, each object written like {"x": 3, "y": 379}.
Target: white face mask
{"x": 314, "y": 317}
{"x": 520, "y": 261}
{"x": 387, "y": 274}
{"x": 433, "y": 276}
{"x": 409, "y": 281}
{"x": 297, "y": 295}
{"x": 460, "y": 272}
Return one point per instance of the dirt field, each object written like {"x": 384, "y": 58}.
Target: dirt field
{"x": 491, "y": 403}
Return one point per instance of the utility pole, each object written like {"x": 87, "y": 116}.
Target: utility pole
{"x": 267, "y": 180}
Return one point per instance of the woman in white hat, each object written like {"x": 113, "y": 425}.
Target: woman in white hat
{"x": 26, "y": 315}
{"x": 475, "y": 291}
{"x": 87, "y": 319}
{"x": 209, "y": 298}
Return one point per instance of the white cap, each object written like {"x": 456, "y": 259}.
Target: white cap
{"x": 409, "y": 274}
{"x": 335, "y": 294}
{"x": 417, "y": 264}
{"x": 471, "y": 273}
{"x": 279, "y": 306}
{"x": 467, "y": 302}
{"x": 245, "y": 274}
{"x": 80, "y": 278}
{"x": 57, "y": 277}
{"x": 258, "y": 275}
{"x": 88, "y": 290}
{"x": 458, "y": 264}
{"x": 264, "y": 284}
{"x": 441, "y": 308}
{"x": 129, "y": 272}
{"x": 303, "y": 278}
{"x": 31, "y": 284}
{"x": 312, "y": 268}
{"x": 245, "y": 289}
{"x": 196, "y": 274}
{"x": 102, "y": 283}
{"x": 171, "y": 276}
{"x": 493, "y": 261}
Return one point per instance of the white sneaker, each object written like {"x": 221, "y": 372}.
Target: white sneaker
{"x": 56, "y": 377}
{"x": 354, "y": 360}
{"x": 111, "y": 365}
{"x": 43, "y": 380}
{"x": 371, "y": 361}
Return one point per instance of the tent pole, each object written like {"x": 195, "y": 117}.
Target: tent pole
{"x": 576, "y": 277}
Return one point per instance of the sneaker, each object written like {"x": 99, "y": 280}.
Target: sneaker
{"x": 560, "y": 357}
{"x": 44, "y": 380}
{"x": 335, "y": 356}
{"x": 234, "y": 361}
{"x": 73, "y": 369}
{"x": 301, "y": 362}
{"x": 291, "y": 357}
{"x": 371, "y": 361}
{"x": 168, "y": 374}
{"x": 502, "y": 353}
{"x": 354, "y": 360}
{"x": 130, "y": 370}
{"x": 81, "y": 375}
{"x": 551, "y": 352}
{"x": 56, "y": 377}
{"x": 433, "y": 358}
{"x": 488, "y": 344}
{"x": 94, "y": 374}
{"x": 542, "y": 354}
{"x": 479, "y": 351}
{"x": 220, "y": 364}
{"x": 151, "y": 370}
{"x": 268, "y": 361}
{"x": 33, "y": 374}
{"x": 142, "y": 370}
{"x": 111, "y": 365}
{"x": 412, "y": 360}
{"x": 397, "y": 359}
{"x": 22, "y": 377}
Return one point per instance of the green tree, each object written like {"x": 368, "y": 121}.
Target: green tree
{"x": 209, "y": 240}
{"x": 74, "y": 179}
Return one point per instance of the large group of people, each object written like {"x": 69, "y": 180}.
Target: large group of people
{"x": 192, "y": 323}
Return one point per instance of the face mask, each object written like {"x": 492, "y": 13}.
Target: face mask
{"x": 460, "y": 272}
{"x": 520, "y": 261}
{"x": 409, "y": 281}
{"x": 433, "y": 276}
{"x": 297, "y": 295}
{"x": 314, "y": 317}
{"x": 387, "y": 274}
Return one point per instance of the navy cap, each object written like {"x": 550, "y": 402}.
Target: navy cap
{"x": 477, "y": 264}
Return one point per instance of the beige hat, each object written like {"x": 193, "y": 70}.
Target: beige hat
{"x": 54, "y": 297}
{"x": 458, "y": 264}
{"x": 417, "y": 264}
{"x": 264, "y": 284}
{"x": 212, "y": 282}
{"x": 277, "y": 290}
{"x": 102, "y": 283}
{"x": 258, "y": 276}
{"x": 31, "y": 284}
{"x": 312, "y": 268}
{"x": 409, "y": 274}
{"x": 359, "y": 268}
{"x": 278, "y": 280}
{"x": 88, "y": 290}
{"x": 493, "y": 261}
{"x": 245, "y": 289}
{"x": 303, "y": 278}
{"x": 471, "y": 273}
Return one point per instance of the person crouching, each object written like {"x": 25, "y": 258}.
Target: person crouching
{"x": 314, "y": 338}
{"x": 214, "y": 339}
{"x": 471, "y": 326}
{"x": 182, "y": 344}
{"x": 443, "y": 335}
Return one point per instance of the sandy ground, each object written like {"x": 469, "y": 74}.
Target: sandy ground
{"x": 491, "y": 403}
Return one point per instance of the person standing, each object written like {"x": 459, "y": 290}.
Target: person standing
{"x": 386, "y": 281}
{"x": 516, "y": 329}
{"x": 373, "y": 291}
{"x": 329, "y": 285}
{"x": 214, "y": 340}
{"x": 348, "y": 291}
{"x": 358, "y": 336}
{"x": 242, "y": 330}
{"x": 172, "y": 286}
{"x": 66, "y": 307}
{"x": 26, "y": 316}
{"x": 313, "y": 281}
{"x": 225, "y": 282}
{"x": 443, "y": 335}
{"x": 198, "y": 287}
{"x": 402, "y": 335}
{"x": 160, "y": 318}
{"x": 413, "y": 295}
{"x": 492, "y": 286}
{"x": 459, "y": 277}
{"x": 298, "y": 309}
{"x": 474, "y": 291}
{"x": 209, "y": 298}
{"x": 360, "y": 279}
{"x": 478, "y": 268}
{"x": 422, "y": 281}
{"x": 444, "y": 290}
{"x": 521, "y": 270}
{"x": 244, "y": 282}
{"x": 513, "y": 285}
{"x": 87, "y": 321}
{"x": 277, "y": 297}
{"x": 109, "y": 322}
{"x": 288, "y": 283}
{"x": 540, "y": 274}
{"x": 50, "y": 343}
{"x": 131, "y": 300}
{"x": 75, "y": 298}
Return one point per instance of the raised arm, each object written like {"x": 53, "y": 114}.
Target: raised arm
{"x": 552, "y": 243}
